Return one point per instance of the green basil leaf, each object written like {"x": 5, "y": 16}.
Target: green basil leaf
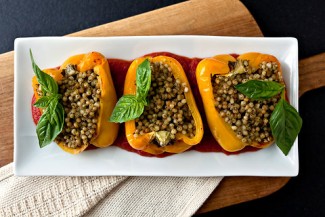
{"x": 255, "y": 89}
{"x": 48, "y": 84}
{"x": 146, "y": 101}
{"x": 58, "y": 116}
{"x": 285, "y": 124}
{"x": 43, "y": 102}
{"x": 129, "y": 107}
{"x": 143, "y": 79}
{"x": 50, "y": 123}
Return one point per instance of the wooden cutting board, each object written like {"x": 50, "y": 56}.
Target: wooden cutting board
{"x": 209, "y": 17}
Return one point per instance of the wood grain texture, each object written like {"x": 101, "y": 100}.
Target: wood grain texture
{"x": 234, "y": 190}
{"x": 6, "y": 107}
{"x": 210, "y": 17}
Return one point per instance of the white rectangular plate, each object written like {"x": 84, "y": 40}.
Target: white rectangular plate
{"x": 49, "y": 52}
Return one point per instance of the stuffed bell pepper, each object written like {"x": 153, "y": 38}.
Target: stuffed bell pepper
{"x": 75, "y": 100}
{"x": 245, "y": 102}
{"x": 158, "y": 107}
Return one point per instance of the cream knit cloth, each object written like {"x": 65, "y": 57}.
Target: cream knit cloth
{"x": 102, "y": 196}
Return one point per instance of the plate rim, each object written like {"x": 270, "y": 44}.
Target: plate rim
{"x": 18, "y": 41}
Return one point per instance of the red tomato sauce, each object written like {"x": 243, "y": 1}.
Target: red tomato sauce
{"x": 36, "y": 112}
{"x": 119, "y": 69}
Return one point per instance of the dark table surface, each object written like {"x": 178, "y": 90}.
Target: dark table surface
{"x": 304, "y": 194}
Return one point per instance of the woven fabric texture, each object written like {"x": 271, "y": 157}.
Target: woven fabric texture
{"x": 102, "y": 196}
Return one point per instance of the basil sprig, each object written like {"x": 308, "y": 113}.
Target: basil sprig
{"x": 51, "y": 122}
{"x": 130, "y": 107}
{"x": 285, "y": 121}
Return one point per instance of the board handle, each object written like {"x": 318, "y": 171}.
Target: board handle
{"x": 311, "y": 73}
